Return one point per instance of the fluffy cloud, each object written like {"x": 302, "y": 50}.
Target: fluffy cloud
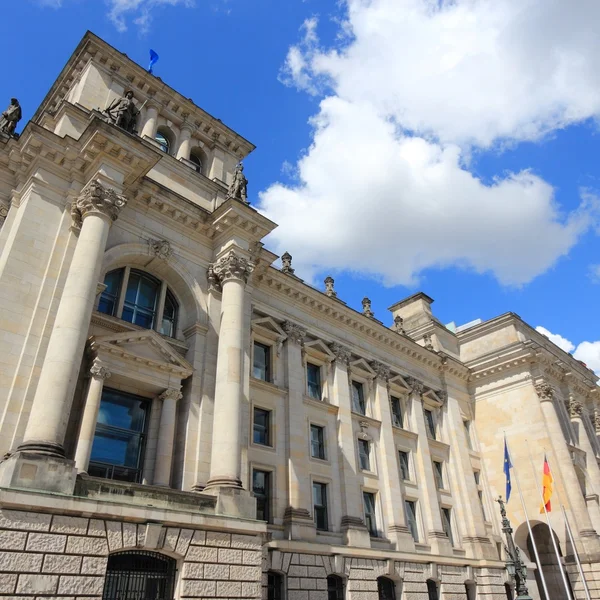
{"x": 409, "y": 88}
{"x": 587, "y": 352}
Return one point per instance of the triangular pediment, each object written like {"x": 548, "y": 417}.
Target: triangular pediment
{"x": 399, "y": 381}
{"x": 268, "y": 324}
{"x": 437, "y": 397}
{"x": 362, "y": 365}
{"x": 319, "y": 347}
{"x": 145, "y": 346}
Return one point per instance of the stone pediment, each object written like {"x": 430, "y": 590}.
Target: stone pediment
{"x": 145, "y": 347}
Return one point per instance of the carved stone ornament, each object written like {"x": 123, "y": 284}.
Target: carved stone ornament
{"x": 597, "y": 421}
{"x": 286, "y": 263}
{"x": 171, "y": 394}
{"x": 329, "y": 291}
{"x": 231, "y": 266}
{"x": 295, "y": 333}
{"x": 10, "y": 117}
{"x": 160, "y": 249}
{"x": 381, "y": 370}
{"x": 575, "y": 408}
{"x": 399, "y": 324}
{"x": 341, "y": 353}
{"x": 97, "y": 199}
{"x": 443, "y": 396}
{"x": 545, "y": 391}
{"x": 98, "y": 371}
{"x": 427, "y": 342}
{"x": 366, "y": 304}
{"x": 416, "y": 387}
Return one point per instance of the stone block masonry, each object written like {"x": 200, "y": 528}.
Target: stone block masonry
{"x": 59, "y": 556}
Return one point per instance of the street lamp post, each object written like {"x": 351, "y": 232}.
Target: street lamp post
{"x": 514, "y": 565}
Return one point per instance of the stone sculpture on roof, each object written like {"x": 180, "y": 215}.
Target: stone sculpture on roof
{"x": 10, "y": 117}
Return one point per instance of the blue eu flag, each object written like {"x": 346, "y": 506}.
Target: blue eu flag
{"x": 507, "y": 468}
{"x": 153, "y": 60}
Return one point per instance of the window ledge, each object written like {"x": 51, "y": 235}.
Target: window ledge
{"x": 369, "y": 420}
{"x": 406, "y": 433}
{"x": 263, "y": 447}
{"x": 267, "y": 386}
{"x": 442, "y": 446}
{"x": 322, "y": 404}
{"x": 320, "y": 461}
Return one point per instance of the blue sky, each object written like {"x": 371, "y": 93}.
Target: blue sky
{"x": 402, "y": 145}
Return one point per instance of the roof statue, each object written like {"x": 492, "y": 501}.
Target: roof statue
{"x": 238, "y": 189}
{"x": 123, "y": 113}
{"x": 10, "y": 117}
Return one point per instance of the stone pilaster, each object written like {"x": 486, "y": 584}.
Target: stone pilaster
{"x": 166, "y": 436}
{"x": 98, "y": 374}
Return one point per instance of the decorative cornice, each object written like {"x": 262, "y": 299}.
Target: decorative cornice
{"x": 99, "y": 200}
{"x": 295, "y": 333}
{"x": 99, "y": 371}
{"x": 171, "y": 394}
{"x": 230, "y": 267}
{"x": 545, "y": 391}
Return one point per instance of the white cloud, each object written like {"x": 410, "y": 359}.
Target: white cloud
{"x": 559, "y": 340}
{"x": 594, "y": 273}
{"x": 372, "y": 197}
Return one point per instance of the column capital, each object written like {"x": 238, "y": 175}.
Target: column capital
{"x": 99, "y": 371}
{"x": 230, "y": 266}
{"x": 416, "y": 386}
{"x": 171, "y": 394}
{"x": 544, "y": 391}
{"x": 97, "y": 199}
{"x": 382, "y": 371}
{"x": 575, "y": 407}
{"x": 188, "y": 128}
{"x": 341, "y": 353}
{"x": 295, "y": 333}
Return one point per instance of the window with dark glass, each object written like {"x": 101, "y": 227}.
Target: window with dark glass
{"x": 317, "y": 442}
{"x": 109, "y": 299}
{"x": 364, "y": 452}
{"x": 194, "y": 158}
{"x": 320, "y": 506}
{"x": 274, "y": 586}
{"x": 370, "y": 516}
{"x": 261, "y": 487}
{"x": 313, "y": 377}
{"x": 119, "y": 440}
{"x": 438, "y": 473}
{"x": 335, "y": 587}
{"x": 169, "y": 316}
{"x": 141, "y": 298}
{"x": 404, "y": 465}
{"x": 358, "y": 398}
{"x": 477, "y": 476}
{"x": 262, "y": 361}
{"x": 386, "y": 589}
{"x": 397, "y": 416}
{"x": 262, "y": 424}
{"x": 410, "y": 508}
{"x": 163, "y": 141}
{"x": 432, "y": 590}
{"x": 447, "y": 524}
{"x": 429, "y": 423}
{"x": 480, "y": 494}
{"x": 467, "y": 426}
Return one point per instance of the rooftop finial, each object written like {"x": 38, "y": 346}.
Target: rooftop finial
{"x": 329, "y": 291}
{"x": 399, "y": 324}
{"x": 366, "y": 304}
{"x": 286, "y": 263}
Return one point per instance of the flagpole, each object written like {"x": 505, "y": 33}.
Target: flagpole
{"x": 535, "y": 550}
{"x": 579, "y": 567}
{"x": 551, "y": 531}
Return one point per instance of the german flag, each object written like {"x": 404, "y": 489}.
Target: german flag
{"x": 547, "y": 482}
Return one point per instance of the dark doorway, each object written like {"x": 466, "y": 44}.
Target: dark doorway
{"x": 386, "y": 588}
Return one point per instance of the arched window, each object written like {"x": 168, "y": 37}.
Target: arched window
{"x": 274, "y": 586}
{"x": 432, "y": 590}
{"x": 141, "y": 299}
{"x": 386, "y": 589}
{"x": 165, "y": 138}
{"x": 128, "y": 573}
{"x": 199, "y": 159}
{"x": 471, "y": 591}
{"x": 335, "y": 587}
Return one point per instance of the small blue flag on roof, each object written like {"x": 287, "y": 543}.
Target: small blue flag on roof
{"x": 153, "y": 60}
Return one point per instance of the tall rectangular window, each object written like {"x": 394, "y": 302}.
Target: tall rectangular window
{"x": 262, "y": 362}
{"x": 313, "y": 380}
{"x": 438, "y": 473}
{"x": 404, "y": 465}
{"x": 364, "y": 455}
{"x": 370, "y": 516}
{"x": 410, "y": 508}
{"x": 119, "y": 440}
{"x": 397, "y": 416}
{"x": 447, "y": 524}
{"x": 262, "y": 426}
{"x": 261, "y": 487}
{"x": 358, "y": 398}
{"x": 317, "y": 442}
{"x": 320, "y": 506}
{"x": 429, "y": 424}
{"x": 480, "y": 494}
{"x": 477, "y": 477}
{"x": 467, "y": 425}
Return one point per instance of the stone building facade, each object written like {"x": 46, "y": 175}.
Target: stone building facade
{"x": 181, "y": 419}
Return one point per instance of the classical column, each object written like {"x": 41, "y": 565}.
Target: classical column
{"x": 397, "y": 531}
{"x": 232, "y": 271}
{"x": 297, "y": 520}
{"x": 575, "y": 499}
{"x": 353, "y": 526}
{"x": 166, "y": 436}
{"x": 94, "y": 211}
{"x": 185, "y": 143}
{"x": 98, "y": 373}
{"x": 430, "y": 506}
{"x": 149, "y": 128}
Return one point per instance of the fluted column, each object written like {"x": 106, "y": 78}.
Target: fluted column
{"x": 98, "y": 374}
{"x": 232, "y": 272}
{"x": 297, "y": 519}
{"x": 166, "y": 436}
{"x": 397, "y": 531}
{"x": 575, "y": 499}
{"x": 430, "y": 506}
{"x": 185, "y": 143}
{"x": 149, "y": 128}
{"x": 94, "y": 211}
